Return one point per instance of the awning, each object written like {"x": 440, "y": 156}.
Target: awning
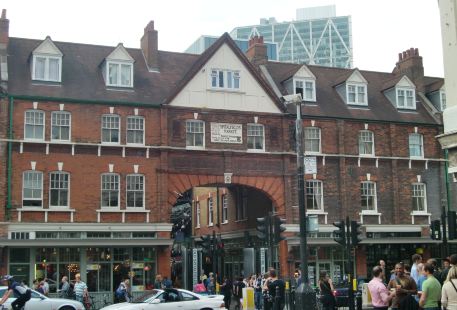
{"x": 330, "y": 242}
{"x": 83, "y": 242}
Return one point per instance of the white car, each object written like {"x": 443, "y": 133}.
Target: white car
{"x": 41, "y": 302}
{"x": 172, "y": 299}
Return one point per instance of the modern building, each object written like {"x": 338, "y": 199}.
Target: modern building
{"x": 99, "y": 143}
{"x": 205, "y": 41}
{"x": 316, "y": 37}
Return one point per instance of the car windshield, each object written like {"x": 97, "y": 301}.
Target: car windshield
{"x": 145, "y": 297}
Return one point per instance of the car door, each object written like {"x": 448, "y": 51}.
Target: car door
{"x": 189, "y": 301}
{"x": 169, "y": 300}
{"x": 38, "y": 302}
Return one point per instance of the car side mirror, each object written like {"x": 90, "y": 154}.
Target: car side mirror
{"x": 155, "y": 301}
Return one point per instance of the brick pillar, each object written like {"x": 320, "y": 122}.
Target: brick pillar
{"x": 283, "y": 254}
{"x": 163, "y": 261}
{"x": 361, "y": 262}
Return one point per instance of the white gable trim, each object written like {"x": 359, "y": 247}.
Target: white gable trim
{"x": 249, "y": 97}
{"x": 120, "y": 54}
{"x": 304, "y": 73}
{"x": 356, "y": 77}
{"x": 47, "y": 48}
{"x": 405, "y": 82}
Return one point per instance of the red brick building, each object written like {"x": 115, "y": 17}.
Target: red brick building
{"x": 98, "y": 143}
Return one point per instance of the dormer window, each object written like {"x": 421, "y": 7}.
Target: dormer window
{"x": 307, "y": 89}
{"x": 46, "y": 68}
{"x": 119, "y": 74}
{"x": 356, "y": 94}
{"x": 225, "y": 79}
{"x": 406, "y": 98}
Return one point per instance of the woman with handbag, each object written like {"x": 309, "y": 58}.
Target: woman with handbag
{"x": 326, "y": 287}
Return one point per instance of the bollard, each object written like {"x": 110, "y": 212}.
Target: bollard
{"x": 358, "y": 300}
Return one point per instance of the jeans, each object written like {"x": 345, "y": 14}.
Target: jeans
{"x": 20, "y": 301}
{"x": 258, "y": 299}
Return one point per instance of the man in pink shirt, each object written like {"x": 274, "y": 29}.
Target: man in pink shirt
{"x": 380, "y": 295}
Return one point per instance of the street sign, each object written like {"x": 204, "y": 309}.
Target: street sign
{"x": 194, "y": 267}
{"x": 262, "y": 260}
{"x": 310, "y": 164}
{"x": 228, "y": 178}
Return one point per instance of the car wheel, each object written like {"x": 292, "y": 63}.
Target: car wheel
{"x": 67, "y": 308}
{"x": 206, "y": 309}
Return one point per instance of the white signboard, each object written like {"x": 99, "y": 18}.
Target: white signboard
{"x": 310, "y": 165}
{"x": 262, "y": 260}
{"x": 194, "y": 267}
{"x": 226, "y": 133}
{"x": 227, "y": 178}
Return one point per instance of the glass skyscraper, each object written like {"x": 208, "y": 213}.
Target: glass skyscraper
{"x": 325, "y": 41}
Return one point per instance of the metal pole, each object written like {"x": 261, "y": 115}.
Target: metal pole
{"x": 444, "y": 249}
{"x": 350, "y": 264}
{"x": 305, "y": 295}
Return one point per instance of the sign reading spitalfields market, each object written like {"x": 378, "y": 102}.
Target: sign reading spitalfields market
{"x": 226, "y": 133}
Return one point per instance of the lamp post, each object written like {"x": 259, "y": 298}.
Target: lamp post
{"x": 305, "y": 296}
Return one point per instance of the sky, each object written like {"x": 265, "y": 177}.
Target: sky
{"x": 380, "y": 28}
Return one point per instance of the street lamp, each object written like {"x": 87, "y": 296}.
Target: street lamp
{"x": 305, "y": 296}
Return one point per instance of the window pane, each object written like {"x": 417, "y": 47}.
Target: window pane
{"x": 54, "y": 69}
{"x": 113, "y": 74}
{"x": 221, "y": 78}
{"x": 125, "y": 75}
{"x": 40, "y": 64}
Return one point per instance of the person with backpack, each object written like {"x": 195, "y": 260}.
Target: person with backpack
{"x": 277, "y": 290}
{"x": 238, "y": 292}
{"x": 123, "y": 292}
{"x": 21, "y": 293}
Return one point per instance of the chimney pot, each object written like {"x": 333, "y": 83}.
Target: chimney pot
{"x": 3, "y": 13}
{"x": 400, "y": 56}
{"x": 4, "y": 28}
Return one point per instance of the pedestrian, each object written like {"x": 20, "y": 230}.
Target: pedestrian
{"x": 266, "y": 296}
{"x": 158, "y": 282}
{"x": 238, "y": 292}
{"x": 277, "y": 290}
{"x": 45, "y": 286}
{"x": 211, "y": 286}
{"x": 66, "y": 290}
{"x": 431, "y": 290}
{"x": 326, "y": 289}
{"x": 437, "y": 271}
{"x": 123, "y": 292}
{"x": 382, "y": 264}
{"x": 403, "y": 285}
{"x": 380, "y": 295}
{"x": 166, "y": 283}
{"x": 81, "y": 292}
{"x": 446, "y": 265}
{"x": 297, "y": 278}
{"x": 449, "y": 290}
{"x": 226, "y": 290}
{"x": 199, "y": 287}
{"x": 422, "y": 278}
{"x": 416, "y": 258}
{"x": 21, "y": 294}
{"x": 258, "y": 292}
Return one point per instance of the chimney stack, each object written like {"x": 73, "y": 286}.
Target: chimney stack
{"x": 257, "y": 51}
{"x": 410, "y": 64}
{"x": 149, "y": 46}
{"x": 4, "y": 30}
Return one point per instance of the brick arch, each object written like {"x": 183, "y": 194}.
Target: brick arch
{"x": 272, "y": 187}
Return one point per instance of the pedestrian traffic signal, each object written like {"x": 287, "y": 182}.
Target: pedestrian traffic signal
{"x": 278, "y": 229}
{"x": 435, "y": 230}
{"x": 356, "y": 232}
{"x": 340, "y": 233}
{"x": 206, "y": 244}
{"x": 263, "y": 228}
{"x": 451, "y": 222}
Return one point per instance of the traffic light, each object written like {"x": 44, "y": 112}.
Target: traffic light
{"x": 206, "y": 244}
{"x": 451, "y": 220}
{"x": 263, "y": 228}
{"x": 356, "y": 232}
{"x": 435, "y": 230}
{"x": 340, "y": 233}
{"x": 278, "y": 229}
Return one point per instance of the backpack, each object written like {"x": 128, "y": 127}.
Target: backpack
{"x": 70, "y": 292}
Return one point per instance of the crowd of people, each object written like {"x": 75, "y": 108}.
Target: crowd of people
{"x": 424, "y": 285}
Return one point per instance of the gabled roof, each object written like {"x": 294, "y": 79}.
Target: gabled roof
{"x": 330, "y": 104}
{"x": 197, "y": 66}
{"x": 119, "y": 53}
{"x": 48, "y": 47}
{"x": 434, "y": 86}
{"x": 346, "y": 76}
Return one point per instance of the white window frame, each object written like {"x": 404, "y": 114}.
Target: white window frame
{"x": 198, "y": 212}
{"x": 252, "y": 133}
{"x": 54, "y": 114}
{"x": 371, "y": 133}
{"x": 43, "y": 125}
{"x": 119, "y": 65}
{"x": 375, "y": 197}
{"x": 229, "y": 79}
{"x": 32, "y": 188}
{"x": 442, "y": 100}
{"x": 210, "y": 204}
{"x": 304, "y": 95}
{"x": 59, "y": 189}
{"x": 307, "y": 138}
{"x": 127, "y": 190}
{"x": 46, "y": 68}
{"x": 135, "y": 130}
{"x": 421, "y": 145}
{"x": 357, "y": 99}
{"x": 118, "y": 129}
{"x": 320, "y": 194}
{"x": 194, "y": 133}
{"x": 405, "y": 92}
{"x": 225, "y": 209}
{"x": 415, "y": 191}
{"x": 118, "y": 191}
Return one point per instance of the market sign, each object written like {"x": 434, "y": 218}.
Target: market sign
{"x": 226, "y": 133}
